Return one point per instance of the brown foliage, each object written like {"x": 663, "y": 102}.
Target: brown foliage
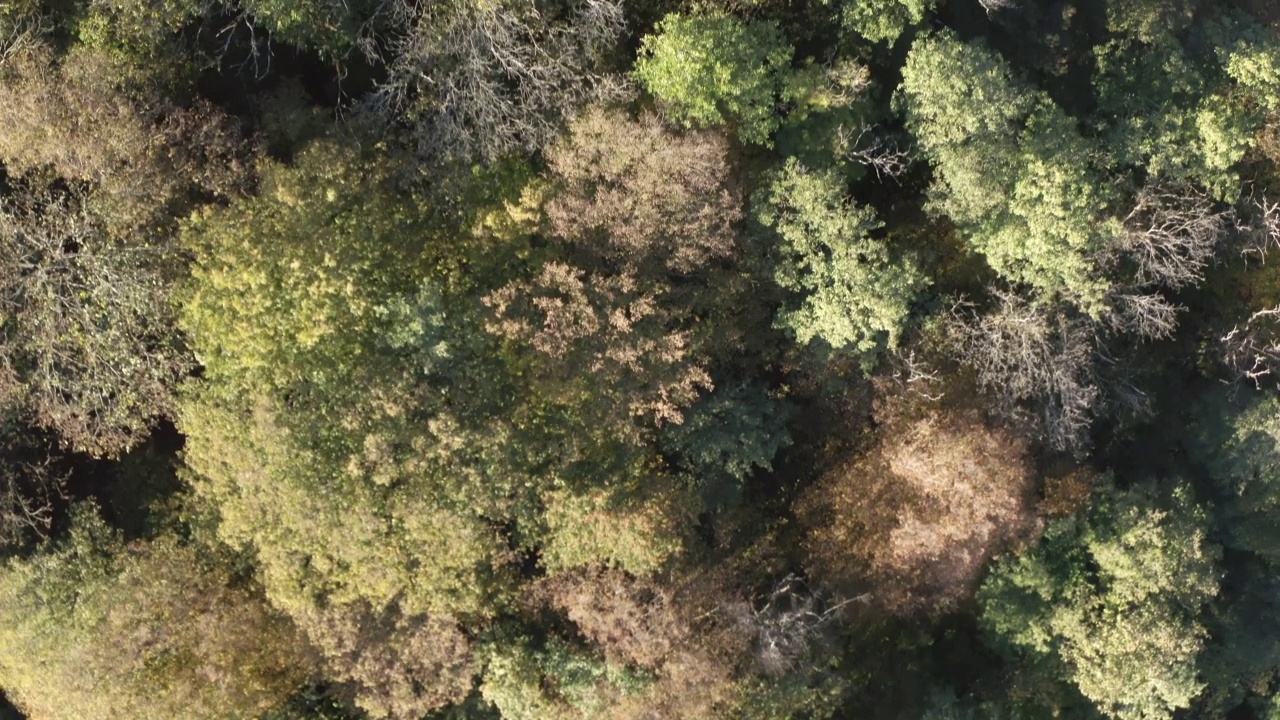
{"x": 393, "y": 665}
{"x": 676, "y": 628}
{"x": 912, "y": 522}
{"x": 139, "y": 154}
{"x": 88, "y": 348}
{"x": 634, "y": 192}
{"x": 609, "y": 327}
{"x": 641, "y": 221}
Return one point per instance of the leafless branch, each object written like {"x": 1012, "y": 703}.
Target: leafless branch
{"x": 1172, "y": 233}
{"x": 877, "y": 151}
{"x": 790, "y": 622}
{"x": 1029, "y": 353}
{"x": 1252, "y": 350}
{"x": 484, "y": 80}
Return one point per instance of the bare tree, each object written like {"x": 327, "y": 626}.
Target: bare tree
{"x": 1172, "y": 232}
{"x": 792, "y": 621}
{"x": 486, "y": 79}
{"x": 1263, "y": 232}
{"x": 28, "y": 488}
{"x": 1252, "y": 350}
{"x": 875, "y": 150}
{"x": 88, "y": 345}
{"x": 992, "y": 6}
{"x": 1147, "y": 315}
{"x": 1028, "y": 353}
{"x": 17, "y": 34}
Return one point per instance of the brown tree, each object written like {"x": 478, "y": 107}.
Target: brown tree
{"x": 632, "y": 192}
{"x": 390, "y": 664}
{"x": 679, "y": 628}
{"x": 909, "y": 525}
{"x": 642, "y": 222}
{"x": 141, "y": 153}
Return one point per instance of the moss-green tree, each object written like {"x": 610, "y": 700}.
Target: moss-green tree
{"x": 1011, "y": 169}
{"x": 93, "y": 627}
{"x": 853, "y": 293}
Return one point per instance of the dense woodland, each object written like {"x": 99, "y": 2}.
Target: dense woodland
{"x": 638, "y": 359}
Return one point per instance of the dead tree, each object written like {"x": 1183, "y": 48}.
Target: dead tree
{"x": 875, "y": 150}
{"x": 1033, "y": 356}
{"x": 1252, "y": 351}
{"x": 1172, "y": 233}
{"x": 791, "y": 622}
{"x": 481, "y": 80}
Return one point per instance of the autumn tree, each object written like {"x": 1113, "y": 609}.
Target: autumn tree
{"x": 643, "y": 219}
{"x": 146, "y": 156}
{"x": 912, "y": 523}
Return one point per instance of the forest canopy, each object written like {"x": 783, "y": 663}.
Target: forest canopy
{"x": 604, "y": 360}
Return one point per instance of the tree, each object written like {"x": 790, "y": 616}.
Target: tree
{"x": 1011, "y": 169}
{"x": 89, "y": 348}
{"x": 725, "y": 438}
{"x": 482, "y": 80}
{"x": 635, "y": 193}
{"x": 1033, "y": 355}
{"x": 1114, "y": 596}
{"x": 146, "y": 159}
{"x": 616, "y": 310}
{"x": 710, "y": 69}
{"x": 332, "y": 427}
{"x": 854, "y": 293}
{"x": 911, "y": 525}
{"x": 93, "y": 627}
{"x": 884, "y": 20}
{"x": 1162, "y": 113}
{"x": 1240, "y": 445}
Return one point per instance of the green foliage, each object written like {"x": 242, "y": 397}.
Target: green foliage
{"x": 855, "y": 294}
{"x": 640, "y": 524}
{"x": 726, "y": 437}
{"x": 556, "y": 681}
{"x": 1011, "y": 169}
{"x": 329, "y": 27}
{"x": 1115, "y": 596}
{"x": 1241, "y": 448}
{"x": 90, "y": 627}
{"x": 711, "y": 69}
{"x": 884, "y": 20}
{"x": 1161, "y": 114}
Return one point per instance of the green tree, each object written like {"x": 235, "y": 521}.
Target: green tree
{"x": 711, "y": 69}
{"x": 854, "y": 293}
{"x": 330, "y": 427}
{"x": 1240, "y": 446}
{"x": 884, "y": 20}
{"x": 1011, "y": 169}
{"x": 1115, "y": 597}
